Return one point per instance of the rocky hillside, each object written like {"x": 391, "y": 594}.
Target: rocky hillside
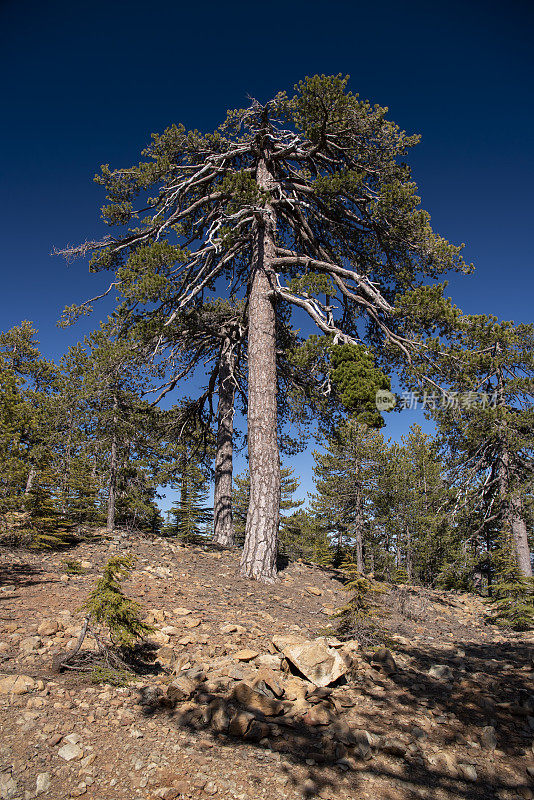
{"x": 251, "y": 695}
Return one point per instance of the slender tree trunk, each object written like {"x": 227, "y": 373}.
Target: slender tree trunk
{"x": 409, "y": 567}
{"x": 65, "y": 478}
{"x": 223, "y": 527}
{"x": 30, "y": 479}
{"x": 261, "y": 533}
{"x": 358, "y": 530}
{"x": 112, "y": 492}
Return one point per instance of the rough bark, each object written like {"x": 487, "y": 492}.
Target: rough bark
{"x": 112, "y": 488}
{"x": 261, "y": 532}
{"x": 358, "y": 530}
{"x": 66, "y": 467}
{"x": 520, "y": 534}
{"x": 30, "y": 479}
{"x": 223, "y": 528}
{"x": 510, "y": 498}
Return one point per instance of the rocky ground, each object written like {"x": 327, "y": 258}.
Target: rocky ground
{"x": 255, "y": 697}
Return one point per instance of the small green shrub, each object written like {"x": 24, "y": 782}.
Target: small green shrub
{"x": 73, "y": 567}
{"x": 115, "y": 677}
{"x": 109, "y": 606}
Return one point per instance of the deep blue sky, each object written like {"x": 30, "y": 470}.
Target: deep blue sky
{"x": 86, "y": 82}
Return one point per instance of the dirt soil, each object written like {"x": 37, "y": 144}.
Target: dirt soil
{"x": 453, "y": 717}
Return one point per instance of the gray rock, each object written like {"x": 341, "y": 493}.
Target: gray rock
{"x": 8, "y": 787}
{"x": 319, "y": 663}
{"x": 488, "y": 738}
{"x": 69, "y": 752}
{"x": 42, "y": 783}
{"x": 384, "y": 658}
{"x": 441, "y": 672}
{"x": 270, "y": 661}
{"x": 468, "y": 772}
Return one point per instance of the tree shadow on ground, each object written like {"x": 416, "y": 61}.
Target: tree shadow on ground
{"x": 313, "y": 755}
{"x": 19, "y": 575}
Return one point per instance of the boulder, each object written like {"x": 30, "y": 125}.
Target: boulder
{"x": 16, "y": 684}
{"x": 320, "y": 714}
{"x": 182, "y": 688}
{"x": 246, "y": 696}
{"x": 240, "y": 723}
{"x": 266, "y": 682}
{"x": 384, "y": 659}
{"x": 319, "y": 663}
{"x": 270, "y": 661}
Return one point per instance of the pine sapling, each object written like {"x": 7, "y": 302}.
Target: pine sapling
{"x": 108, "y": 605}
{"x": 513, "y": 605}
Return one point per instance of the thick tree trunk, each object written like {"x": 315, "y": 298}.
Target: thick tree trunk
{"x": 112, "y": 489}
{"x": 510, "y": 497}
{"x": 223, "y": 527}
{"x": 520, "y": 534}
{"x": 261, "y": 533}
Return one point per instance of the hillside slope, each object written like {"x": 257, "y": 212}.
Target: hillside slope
{"x": 446, "y": 711}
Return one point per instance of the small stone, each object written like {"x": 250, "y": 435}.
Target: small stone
{"x": 314, "y": 590}
{"x": 181, "y": 612}
{"x": 468, "y": 772}
{"x": 393, "y": 747}
{"x": 418, "y": 733}
{"x": 167, "y": 793}
{"x": 69, "y": 752}
{"x": 211, "y": 788}
{"x": 193, "y": 622}
{"x": 42, "y": 782}
{"x": 228, "y": 628}
{"x": 48, "y": 628}
{"x": 55, "y": 739}
{"x": 441, "y": 672}
{"x": 488, "y": 738}
{"x": 159, "y": 638}
{"x": 246, "y": 654}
